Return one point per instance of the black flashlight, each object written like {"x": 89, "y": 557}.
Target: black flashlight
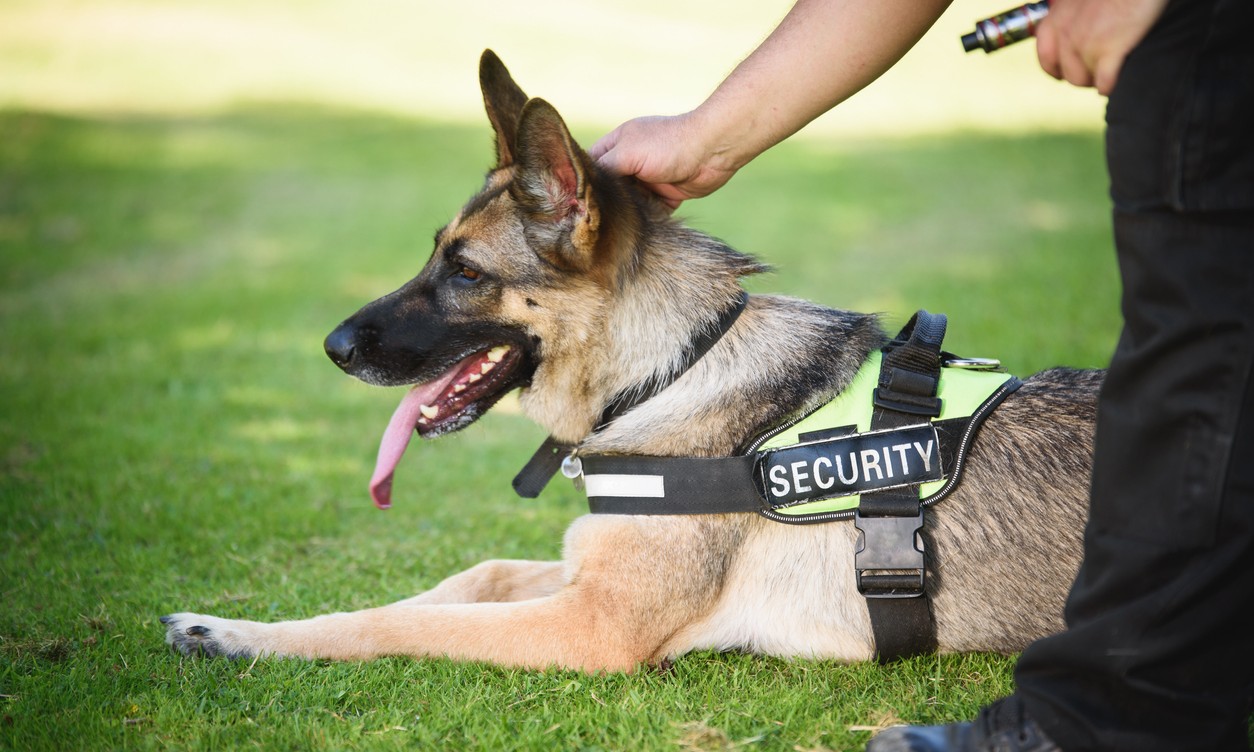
{"x": 1006, "y": 28}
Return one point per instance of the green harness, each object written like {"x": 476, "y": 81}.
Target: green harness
{"x": 963, "y": 391}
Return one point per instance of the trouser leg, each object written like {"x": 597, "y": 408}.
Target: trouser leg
{"x": 1158, "y": 653}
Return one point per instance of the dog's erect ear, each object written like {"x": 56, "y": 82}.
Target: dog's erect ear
{"x": 504, "y": 102}
{"x": 553, "y": 185}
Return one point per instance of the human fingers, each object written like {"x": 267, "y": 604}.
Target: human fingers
{"x": 1075, "y": 68}
{"x": 1086, "y": 41}
{"x": 1061, "y": 40}
{"x": 616, "y": 160}
{"x": 667, "y": 194}
{"x": 642, "y": 147}
{"x": 1047, "y": 48}
{"x": 1107, "y": 74}
{"x": 604, "y": 144}
{"x": 1123, "y": 26}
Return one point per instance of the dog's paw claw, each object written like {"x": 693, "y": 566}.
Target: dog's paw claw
{"x": 186, "y": 635}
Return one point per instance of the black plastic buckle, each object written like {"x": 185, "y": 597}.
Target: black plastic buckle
{"x": 889, "y": 559}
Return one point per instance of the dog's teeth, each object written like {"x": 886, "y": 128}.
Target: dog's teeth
{"x": 459, "y": 388}
{"x": 472, "y": 378}
{"x": 498, "y": 352}
{"x": 423, "y": 421}
{"x": 430, "y": 412}
{"x": 486, "y": 367}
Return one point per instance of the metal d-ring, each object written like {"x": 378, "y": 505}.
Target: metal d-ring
{"x": 972, "y": 364}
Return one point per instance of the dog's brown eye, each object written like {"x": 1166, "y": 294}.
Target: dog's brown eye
{"x": 470, "y": 274}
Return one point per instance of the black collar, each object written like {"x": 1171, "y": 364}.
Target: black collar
{"x": 536, "y": 474}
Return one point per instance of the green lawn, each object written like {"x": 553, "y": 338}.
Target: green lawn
{"x": 172, "y": 436}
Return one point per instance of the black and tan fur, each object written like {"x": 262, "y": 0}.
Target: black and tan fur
{"x": 597, "y": 293}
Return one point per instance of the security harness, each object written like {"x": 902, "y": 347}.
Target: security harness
{"x": 891, "y": 444}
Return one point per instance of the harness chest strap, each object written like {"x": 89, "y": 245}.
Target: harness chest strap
{"x": 830, "y": 442}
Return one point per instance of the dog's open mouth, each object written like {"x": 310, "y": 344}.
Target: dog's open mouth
{"x": 447, "y": 403}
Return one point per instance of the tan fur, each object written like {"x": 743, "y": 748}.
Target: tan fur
{"x": 611, "y": 295}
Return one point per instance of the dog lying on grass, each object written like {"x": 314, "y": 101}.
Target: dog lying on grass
{"x": 569, "y": 283}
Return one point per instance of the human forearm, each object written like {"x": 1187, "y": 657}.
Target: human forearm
{"x": 823, "y": 52}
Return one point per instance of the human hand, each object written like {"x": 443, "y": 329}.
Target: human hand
{"x": 667, "y": 154}
{"x": 1086, "y": 41}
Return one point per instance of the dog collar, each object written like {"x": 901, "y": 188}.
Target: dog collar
{"x": 551, "y": 455}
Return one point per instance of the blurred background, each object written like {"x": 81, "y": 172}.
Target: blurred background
{"x": 600, "y": 62}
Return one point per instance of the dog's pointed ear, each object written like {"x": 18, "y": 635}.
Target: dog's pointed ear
{"x": 503, "y": 100}
{"x": 553, "y": 185}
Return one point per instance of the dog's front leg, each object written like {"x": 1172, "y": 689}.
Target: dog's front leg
{"x": 573, "y": 629}
{"x": 630, "y": 585}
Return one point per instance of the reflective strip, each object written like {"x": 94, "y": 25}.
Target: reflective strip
{"x": 638, "y": 486}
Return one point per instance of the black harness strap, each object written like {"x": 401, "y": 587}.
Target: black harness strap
{"x": 540, "y": 469}
{"x": 681, "y": 485}
{"x": 890, "y": 563}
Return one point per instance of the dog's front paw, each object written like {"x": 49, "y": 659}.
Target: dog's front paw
{"x": 208, "y": 636}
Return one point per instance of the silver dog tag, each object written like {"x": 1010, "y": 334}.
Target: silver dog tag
{"x": 572, "y": 466}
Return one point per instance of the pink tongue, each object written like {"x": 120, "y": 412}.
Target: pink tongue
{"x": 396, "y": 438}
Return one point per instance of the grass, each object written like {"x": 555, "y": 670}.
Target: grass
{"x": 173, "y": 438}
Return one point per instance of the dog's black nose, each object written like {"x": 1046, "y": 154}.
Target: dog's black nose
{"x": 341, "y": 345}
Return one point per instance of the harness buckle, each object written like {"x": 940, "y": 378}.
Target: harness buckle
{"x": 889, "y": 560}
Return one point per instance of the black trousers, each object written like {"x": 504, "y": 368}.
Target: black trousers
{"x": 1159, "y": 649}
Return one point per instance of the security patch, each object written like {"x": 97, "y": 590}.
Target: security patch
{"x": 847, "y": 465}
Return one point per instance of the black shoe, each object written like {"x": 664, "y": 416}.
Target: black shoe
{"x": 1001, "y": 727}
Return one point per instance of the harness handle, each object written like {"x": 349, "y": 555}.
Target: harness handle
{"x": 910, "y": 373}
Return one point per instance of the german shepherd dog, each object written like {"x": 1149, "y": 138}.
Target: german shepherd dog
{"x": 574, "y": 285}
